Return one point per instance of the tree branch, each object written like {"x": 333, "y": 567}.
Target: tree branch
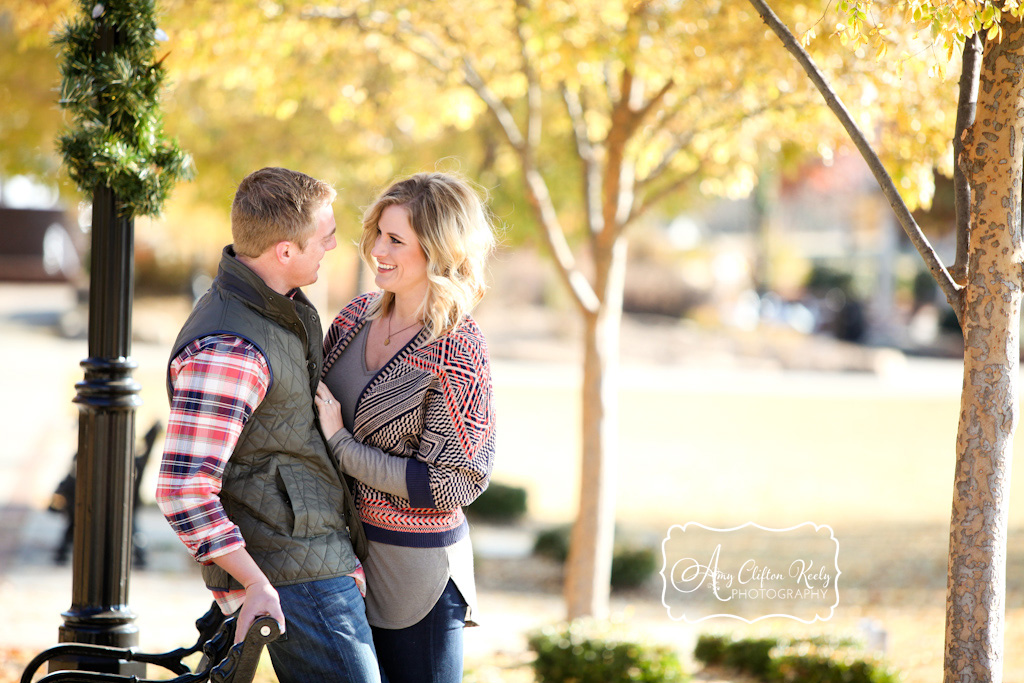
{"x": 378, "y": 17}
{"x": 585, "y": 151}
{"x": 655, "y": 101}
{"x": 641, "y": 207}
{"x": 967, "y": 105}
{"x": 950, "y": 288}
{"x": 681, "y": 140}
{"x": 540, "y": 197}
{"x": 664, "y": 116}
{"x": 496, "y": 106}
{"x": 678, "y": 144}
{"x": 617, "y": 184}
{"x": 533, "y": 93}
{"x": 577, "y": 282}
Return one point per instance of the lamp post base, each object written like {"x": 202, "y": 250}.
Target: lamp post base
{"x": 112, "y": 628}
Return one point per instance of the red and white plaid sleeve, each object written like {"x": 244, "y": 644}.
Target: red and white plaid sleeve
{"x": 217, "y": 382}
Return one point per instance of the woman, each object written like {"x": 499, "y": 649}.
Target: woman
{"x": 406, "y": 404}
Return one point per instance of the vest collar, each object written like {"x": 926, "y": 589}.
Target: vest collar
{"x": 236, "y": 277}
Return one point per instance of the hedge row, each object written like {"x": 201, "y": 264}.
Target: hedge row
{"x": 575, "y": 653}
{"x": 807, "y": 660}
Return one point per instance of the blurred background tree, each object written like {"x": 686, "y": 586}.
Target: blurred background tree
{"x": 30, "y": 117}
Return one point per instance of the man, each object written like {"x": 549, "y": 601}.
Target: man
{"x": 246, "y": 480}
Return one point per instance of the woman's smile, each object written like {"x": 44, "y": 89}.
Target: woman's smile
{"x": 401, "y": 263}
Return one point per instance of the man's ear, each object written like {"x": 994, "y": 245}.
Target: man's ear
{"x": 284, "y": 250}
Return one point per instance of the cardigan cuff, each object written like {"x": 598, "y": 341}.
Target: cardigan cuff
{"x": 417, "y": 480}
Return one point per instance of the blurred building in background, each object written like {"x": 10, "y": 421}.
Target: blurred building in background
{"x": 39, "y": 245}
{"x": 40, "y": 241}
{"x": 821, "y": 252}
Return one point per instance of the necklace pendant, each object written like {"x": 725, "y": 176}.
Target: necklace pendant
{"x": 387, "y": 341}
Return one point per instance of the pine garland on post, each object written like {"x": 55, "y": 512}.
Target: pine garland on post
{"x": 117, "y": 140}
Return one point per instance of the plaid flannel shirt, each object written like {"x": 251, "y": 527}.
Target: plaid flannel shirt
{"x": 217, "y": 382}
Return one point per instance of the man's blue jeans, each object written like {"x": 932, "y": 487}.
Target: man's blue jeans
{"x": 429, "y": 651}
{"x": 326, "y": 636}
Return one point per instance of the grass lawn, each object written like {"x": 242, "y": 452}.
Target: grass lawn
{"x": 871, "y": 457}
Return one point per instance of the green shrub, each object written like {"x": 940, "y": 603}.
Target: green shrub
{"x": 569, "y": 654}
{"x": 828, "y": 667}
{"x": 553, "y": 543}
{"x": 827, "y": 642}
{"x": 710, "y": 650}
{"x": 162, "y": 275}
{"x": 631, "y": 567}
{"x": 823, "y": 278}
{"x": 819, "y": 659}
{"x": 753, "y": 655}
{"x": 499, "y": 503}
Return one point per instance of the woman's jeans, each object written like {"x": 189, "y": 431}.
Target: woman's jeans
{"x": 326, "y": 638}
{"x": 429, "y": 651}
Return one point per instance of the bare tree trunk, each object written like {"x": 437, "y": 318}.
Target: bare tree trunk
{"x": 588, "y": 568}
{"x": 975, "y": 602}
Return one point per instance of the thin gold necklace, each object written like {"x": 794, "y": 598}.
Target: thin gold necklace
{"x": 388, "y": 339}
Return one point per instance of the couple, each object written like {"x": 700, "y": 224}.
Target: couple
{"x": 304, "y": 472}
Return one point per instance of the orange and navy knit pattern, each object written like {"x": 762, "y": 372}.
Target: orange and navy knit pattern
{"x": 432, "y": 404}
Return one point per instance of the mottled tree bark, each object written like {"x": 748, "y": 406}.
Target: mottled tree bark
{"x": 967, "y": 104}
{"x": 993, "y": 154}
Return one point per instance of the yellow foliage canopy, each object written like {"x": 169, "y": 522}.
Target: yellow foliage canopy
{"x": 359, "y": 82}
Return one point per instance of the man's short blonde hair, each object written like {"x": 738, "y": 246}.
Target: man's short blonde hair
{"x": 274, "y": 205}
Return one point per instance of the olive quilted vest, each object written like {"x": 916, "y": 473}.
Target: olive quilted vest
{"x": 280, "y": 486}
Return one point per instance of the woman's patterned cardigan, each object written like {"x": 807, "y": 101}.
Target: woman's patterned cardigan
{"x": 432, "y": 404}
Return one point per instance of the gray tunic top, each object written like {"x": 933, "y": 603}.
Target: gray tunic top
{"x": 403, "y": 584}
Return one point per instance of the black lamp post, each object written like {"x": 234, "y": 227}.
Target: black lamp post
{"x": 107, "y": 399}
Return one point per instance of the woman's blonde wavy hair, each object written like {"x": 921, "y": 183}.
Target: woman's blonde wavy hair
{"x": 454, "y": 230}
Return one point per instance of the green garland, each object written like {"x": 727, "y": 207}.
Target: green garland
{"x": 117, "y": 139}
